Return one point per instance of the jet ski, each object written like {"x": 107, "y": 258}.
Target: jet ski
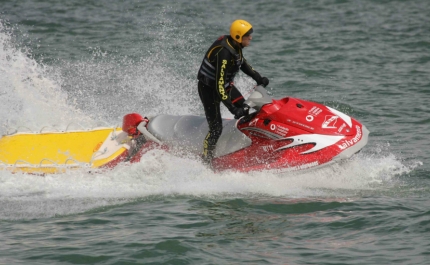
{"x": 278, "y": 135}
{"x": 281, "y": 135}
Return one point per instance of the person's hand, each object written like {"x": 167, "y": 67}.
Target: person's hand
{"x": 264, "y": 81}
{"x": 240, "y": 112}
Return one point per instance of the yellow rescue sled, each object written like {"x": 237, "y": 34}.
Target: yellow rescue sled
{"x": 56, "y": 152}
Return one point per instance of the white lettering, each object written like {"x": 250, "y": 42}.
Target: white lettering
{"x": 301, "y": 124}
{"x": 315, "y": 111}
{"x": 282, "y": 130}
{"x": 268, "y": 148}
{"x": 348, "y": 143}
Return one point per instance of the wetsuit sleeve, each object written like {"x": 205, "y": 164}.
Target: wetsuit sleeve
{"x": 223, "y": 65}
{"x": 247, "y": 69}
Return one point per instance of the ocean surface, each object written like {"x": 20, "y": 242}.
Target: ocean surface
{"x": 91, "y": 62}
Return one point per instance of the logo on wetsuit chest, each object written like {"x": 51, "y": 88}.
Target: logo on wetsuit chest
{"x": 221, "y": 81}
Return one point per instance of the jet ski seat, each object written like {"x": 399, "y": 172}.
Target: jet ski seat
{"x": 190, "y": 131}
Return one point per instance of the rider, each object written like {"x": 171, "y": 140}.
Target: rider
{"x": 221, "y": 63}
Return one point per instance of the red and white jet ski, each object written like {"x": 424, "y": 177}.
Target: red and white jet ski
{"x": 281, "y": 135}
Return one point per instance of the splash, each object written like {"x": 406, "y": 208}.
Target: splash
{"x": 30, "y": 97}
{"x": 90, "y": 92}
{"x": 109, "y": 86}
{"x": 161, "y": 175}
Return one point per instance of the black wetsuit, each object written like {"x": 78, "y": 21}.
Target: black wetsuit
{"x": 221, "y": 63}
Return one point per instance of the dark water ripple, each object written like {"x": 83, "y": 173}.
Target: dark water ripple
{"x": 214, "y": 232}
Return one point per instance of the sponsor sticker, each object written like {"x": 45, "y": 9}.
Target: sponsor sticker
{"x": 268, "y": 148}
{"x": 282, "y": 131}
{"x": 309, "y": 118}
{"x": 278, "y": 129}
{"x": 330, "y": 122}
{"x": 315, "y": 111}
{"x": 341, "y": 127}
{"x": 348, "y": 143}
{"x": 221, "y": 81}
{"x": 303, "y": 125}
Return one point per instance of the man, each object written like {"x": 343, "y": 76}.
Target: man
{"x": 221, "y": 63}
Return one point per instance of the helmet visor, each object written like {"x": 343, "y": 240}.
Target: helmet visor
{"x": 249, "y": 32}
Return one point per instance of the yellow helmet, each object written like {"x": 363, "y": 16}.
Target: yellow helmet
{"x": 240, "y": 28}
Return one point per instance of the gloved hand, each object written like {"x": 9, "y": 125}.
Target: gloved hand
{"x": 263, "y": 81}
{"x": 260, "y": 80}
{"x": 240, "y": 112}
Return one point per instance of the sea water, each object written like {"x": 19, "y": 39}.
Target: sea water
{"x": 88, "y": 63}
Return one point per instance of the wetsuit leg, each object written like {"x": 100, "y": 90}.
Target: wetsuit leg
{"x": 211, "y": 105}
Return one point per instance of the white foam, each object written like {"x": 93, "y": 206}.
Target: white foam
{"x": 161, "y": 174}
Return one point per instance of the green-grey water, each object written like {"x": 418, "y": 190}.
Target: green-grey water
{"x": 91, "y": 62}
